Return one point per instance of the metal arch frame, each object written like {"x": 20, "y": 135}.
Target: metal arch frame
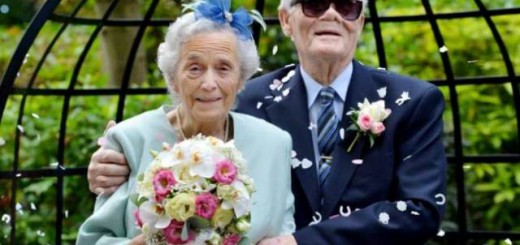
{"x": 462, "y": 236}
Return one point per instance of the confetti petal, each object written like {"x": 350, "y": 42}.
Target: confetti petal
{"x": 357, "y": 161}
{"x": 259, "y": 69}
{"x": 306, "y": 163}
{"x": 286, "y": 92}
{"x": 66, "y": 213}
{"x": 277, "y": 99}
{"x": 441, "y": 233}
{"x": 344, "y": 214}
{"x": 316, "y": 219}
{"x": 342, "y": 133}
{"x": 35, "y": 115}
{"x": 382, "y": 92}
{"x": 405, "y": 96}
{"x": 401, "y": 206}
{"x": 441, "y": 199}
{"x": 259, "y": 105}
{"x": 407, "y": 157}
{"x": 443, "y": 49}
{"x": 33, "y": 207}
{"x": 384, "y": 218}
{"x": 289, "y": 75}
{"x": 2, "y": 141}
{"x": 508, "y": 241}
{"x": 415, "y": 213}
{"x": 19, "y": 208}
{"x": 6, "y": 218}
{"x": 293, "y": 154}
{"x": 275, "y": 49}
{"x": 312, "y": 125}
{"x": 20, "y": 128}
{"x": 40, "y": 233}
{"x": 4, "y": 9}
{"x": 381, "y": 68}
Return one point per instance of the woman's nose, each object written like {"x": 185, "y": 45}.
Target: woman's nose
{"x": 209, "y": 81}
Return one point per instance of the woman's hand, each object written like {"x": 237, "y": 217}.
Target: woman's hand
{"x": 138, "y": 240}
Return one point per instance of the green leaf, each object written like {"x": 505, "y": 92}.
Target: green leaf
{"x": 372, "y": 140}
{"x": 40, "y": 186}
{"x": 137, "y": 200}
{"x": 199, "y": 222}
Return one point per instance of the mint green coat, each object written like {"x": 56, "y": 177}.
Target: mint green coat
{"x": 266, "y": 148}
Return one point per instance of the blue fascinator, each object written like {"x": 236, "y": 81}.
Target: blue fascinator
{"x": 218, "y": 11}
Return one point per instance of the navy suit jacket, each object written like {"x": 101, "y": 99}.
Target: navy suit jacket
{"x": 397, "y": 195}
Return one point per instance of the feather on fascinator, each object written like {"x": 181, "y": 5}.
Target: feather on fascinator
{"x": 218, "y": 11}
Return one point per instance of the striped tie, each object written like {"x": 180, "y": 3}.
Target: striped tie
{"x": 328, "y": 131}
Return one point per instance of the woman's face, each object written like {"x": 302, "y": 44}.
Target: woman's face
{"x": 207, "y": 78}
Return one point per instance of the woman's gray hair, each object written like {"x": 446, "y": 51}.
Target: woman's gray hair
{"x": 185, "y": 28}
{"x": 286, "y": 4}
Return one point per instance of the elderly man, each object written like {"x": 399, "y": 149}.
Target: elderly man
{"x": 368, "y": 161}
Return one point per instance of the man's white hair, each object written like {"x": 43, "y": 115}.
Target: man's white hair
{"x": 185, "y": 28}
{"x": 286, "y": 4}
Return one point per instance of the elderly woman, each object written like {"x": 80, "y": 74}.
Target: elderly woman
{"x": 205, "y": 60}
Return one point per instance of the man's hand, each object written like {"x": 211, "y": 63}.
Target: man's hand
{"x": 138, "y": 240}
{"x": 107, "y": 169}
{"x": 279, "y": 240}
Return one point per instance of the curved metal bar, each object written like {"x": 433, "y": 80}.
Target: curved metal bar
{"x": 10, "y": 76}
{"x": 376, "y": 27}
{"x": 507, "y": 60}
{"x": 131, "y": 58}
{"x": 64, "y": 116}
{"x": 459, "y": 171}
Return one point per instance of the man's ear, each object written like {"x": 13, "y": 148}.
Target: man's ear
{"x": 283, "y": 17}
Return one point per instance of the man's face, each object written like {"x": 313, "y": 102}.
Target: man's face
{"x": 327, "y": 36}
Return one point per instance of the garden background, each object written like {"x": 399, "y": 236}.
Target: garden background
{"x": 481, "y": 131}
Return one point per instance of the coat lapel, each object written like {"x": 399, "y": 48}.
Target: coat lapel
{"x": 361, "y": 86}
{"x": 292, "y": 115}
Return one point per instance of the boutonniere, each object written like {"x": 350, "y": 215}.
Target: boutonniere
{"x": 368, "y": 120}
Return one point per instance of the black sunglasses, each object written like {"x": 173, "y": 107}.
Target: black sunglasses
{"x": 348, "y": 9}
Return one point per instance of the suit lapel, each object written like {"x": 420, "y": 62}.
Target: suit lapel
{"x": 361, "y": 86}
{"x": 292, "y": 115}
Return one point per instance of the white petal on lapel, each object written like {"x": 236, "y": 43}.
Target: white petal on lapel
{"x": 441, "y": 233}
{"x": 381, "y": 68}
{"x": 415, "y": 213}
{"x": 342, "y": 133}
{"x": 401, "y": 206}
{"x": 277, "y": 99}
{"x": 286, "y": 92}
{"x": 382, "y": 92}
{"x": 315, "y": 219}
{"x": 296, "y": 163}
{"x": 384, "y": 218}
{"x": 357, "y": 161}
{"x": 258, "y": 105}
{"x": 405, "y": 96}
{"x": 407, "y": 157}
{"x": 306, "y": 163}
{"x": 342, "y": 213}
{"x": 288, "y": 76}
{"x": 293, "y": 154}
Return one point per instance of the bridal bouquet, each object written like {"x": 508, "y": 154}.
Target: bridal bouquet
{"x": 196, "y": 192}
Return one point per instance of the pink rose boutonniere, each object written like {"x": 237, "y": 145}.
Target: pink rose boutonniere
{"x": 368, "y": 120}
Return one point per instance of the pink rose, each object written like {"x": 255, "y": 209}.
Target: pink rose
{"x": 162, "y": 183}
{"x": 225, "y": 172}
{"x": 365, "y": 122}
{"x": 377, "y": 128}
{"x": 205, "y": 205}
{"x": 231, "y": 239}
{"x": 138, "y": 220}
{"x": 172, "y": 233}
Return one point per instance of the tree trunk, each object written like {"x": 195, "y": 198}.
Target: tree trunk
{"x": 116, "y": 43}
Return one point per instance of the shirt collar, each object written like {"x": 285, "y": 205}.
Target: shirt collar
{"x": 340, "y": 84}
